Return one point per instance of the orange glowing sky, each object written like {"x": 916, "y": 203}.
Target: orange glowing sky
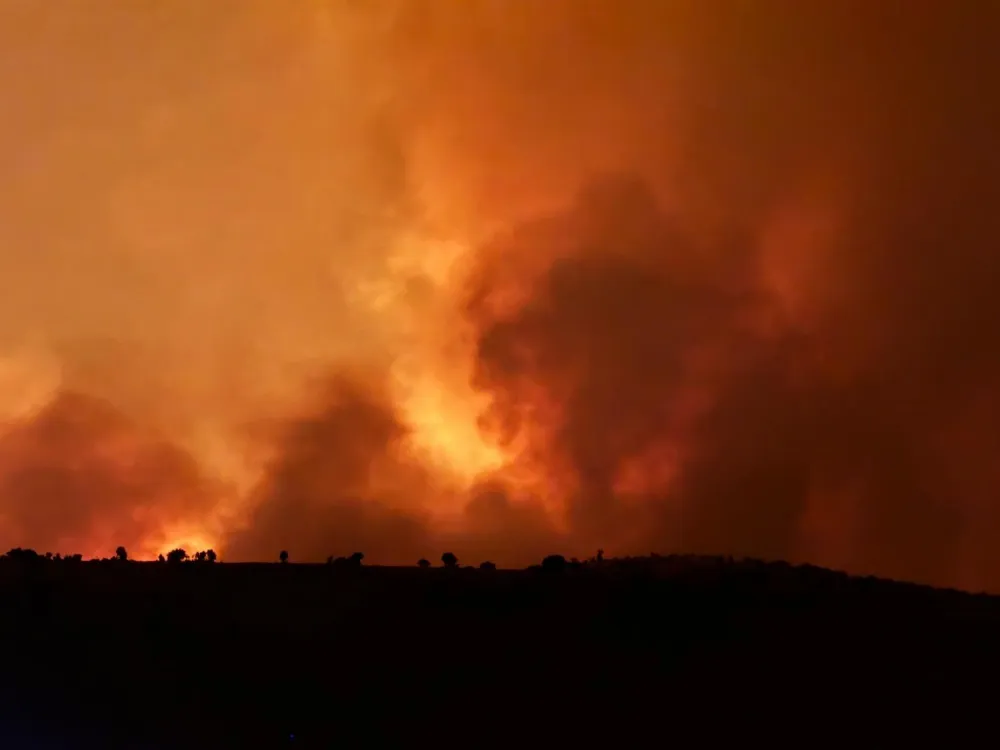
{"x": 211, "y": 211}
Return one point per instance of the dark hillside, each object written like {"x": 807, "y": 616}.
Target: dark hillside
{"x": 123, "y": 654}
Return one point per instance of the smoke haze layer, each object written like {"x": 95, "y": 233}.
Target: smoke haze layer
{"x": 505, "y": 278}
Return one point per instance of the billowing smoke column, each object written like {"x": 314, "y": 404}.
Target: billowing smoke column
{"x": 665, "y": 396}
{"x": 505, "y": 279}
{"x": 340, "y": 480}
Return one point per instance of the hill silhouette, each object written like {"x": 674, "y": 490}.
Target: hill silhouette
{"x": 208, "y": 654}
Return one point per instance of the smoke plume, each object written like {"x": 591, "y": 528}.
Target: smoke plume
{"x": 506, "y": 279}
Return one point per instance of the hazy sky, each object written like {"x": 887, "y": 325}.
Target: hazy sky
{"x": 508, "y": 277}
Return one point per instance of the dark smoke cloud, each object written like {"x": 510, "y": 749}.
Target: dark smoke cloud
{"x": 617, "y": 338}
{"x": 846, "y": 406}
{"x": 497, "y": 526}
{"x": 340, "y": 481}
{"x": 80, "y": 476}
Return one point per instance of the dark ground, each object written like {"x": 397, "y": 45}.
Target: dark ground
{"x": 658, "y": 651}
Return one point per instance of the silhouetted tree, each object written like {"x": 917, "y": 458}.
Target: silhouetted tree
{"x": 423, "y": 563}
{"x": 600, "y": 555}
{"x": 76, "y": 558}
{"x": 121, "y": 554}
{"x": 283, "y": 557}
{"x": 355, "y": 559}
{"x": 176, "y": 556}
{"x": 487, "y": 565}
{"x": 200, "y": 556}
{"x": 449, "y": 560}
{"x": 48, "y": 555}
{"x": 161, "y": 558}
{"x": 211, "y": 556}
{"x": 58, "y": 557}
{"x": 554, "y": 564}
{"x": 23, "y": 555}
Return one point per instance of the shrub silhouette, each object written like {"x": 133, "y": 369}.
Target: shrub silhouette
{"x": 200, "y": 556}
{"x": 423, "y": 563}
{"x": 283, "y": 557}
{"x": 23, "y": 555}
{"x": 554, "y": 564}
{"x": 160, "y": 558}
{"x": 121, "y": 554}
{"x": 354, "y": 561}
{"x": 449, "y": 560}
{"x": 211, "y": 556}
{"x": 487, "y": 565}
{"x": 177, "y": 555}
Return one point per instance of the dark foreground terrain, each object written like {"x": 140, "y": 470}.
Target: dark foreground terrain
{"x": 658, "y": 651}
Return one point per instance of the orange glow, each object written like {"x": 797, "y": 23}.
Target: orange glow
{"x": 191, "y": 541}
{"x": 392, "y": 275}
{"x": 446, "y": 428}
